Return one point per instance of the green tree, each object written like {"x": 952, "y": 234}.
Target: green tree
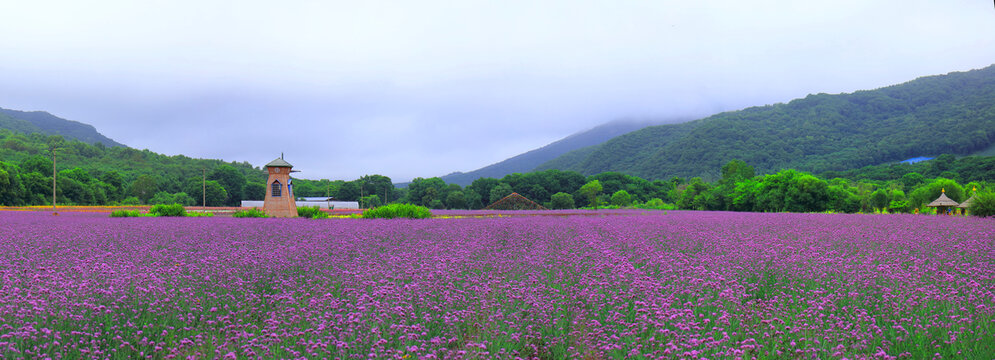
{"x": 143, "y": 188}
{"x": 12, "y": 192}
{"x": 591, "y": 190}
{"x": 562, "y": 200}
{"x": 912, "y": 179}
{"x": 983, "y": 205}
{"x": 215, "y": 193}
{"x": 232, "y": 180}
{"x": 370, "y": 201}
{"x": 254, "y": 191}
{"x": 456, "y": 200}
{"x": 621, "y": 198}
{"x": 39, "y": 164}
{"x": 499, "y": 192}
{"x": 483, "y": 187}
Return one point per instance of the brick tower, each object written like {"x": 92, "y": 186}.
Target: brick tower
{"x": 279, "y": 200}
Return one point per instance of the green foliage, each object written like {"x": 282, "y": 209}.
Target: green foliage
{"x": 163, "y": 197}
{"x": 499, "y": 191}
{"x": 562, "y": 200}
{"x": 591, "y": 190}
{"x": 216, "y": 194}
{"x": 168, "y": 210}
{"x": 456, "y": 200}
{"x": 249, "y": 213}
{"x": 131, "y": 200}
{"x": 312, "y": 212}
{"x": 947, "y": 114}
{"x": 370, "y": 201}
{"x": 125, "y": 213}
{"x": 392, "y": 211}
{"x": 231, "y": 180}
{"x": 621, "y": 198}
{"x": 143, "y": 188}
{"x": 983, "y": 204}
{"x": 656, "y": 204}
{"x": 928, "y": 192}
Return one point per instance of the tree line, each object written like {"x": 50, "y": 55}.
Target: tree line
{"x": 98, "y": 175}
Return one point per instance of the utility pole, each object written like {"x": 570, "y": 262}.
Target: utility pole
{"x": 53, "y": 182}
{"x": 205, "y": 188}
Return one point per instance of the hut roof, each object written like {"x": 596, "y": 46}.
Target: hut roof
{"x": 943, "y": 200}
{"x": 515, "y": 202}
{"x": 967, "y": 203}
{"x": 279, "y": 162}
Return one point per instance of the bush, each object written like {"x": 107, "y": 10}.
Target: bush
{"x": 313, "y": 212}
{"x": 125, "y": 213}
{"x": 656, "y": 204}
{"x": 168, "y": 210}
{"x": 250, "y": 213}
{"x": 983, "y": 205}
{"x": 199, "y": 214}
{"x": 131, "y": 200}
{"x": 391, "y": 211}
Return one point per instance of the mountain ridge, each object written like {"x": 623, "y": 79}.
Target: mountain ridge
{"x": 952, "y": 113}
{"x": 46, "y": 123}
{"x": 529, "y": 160}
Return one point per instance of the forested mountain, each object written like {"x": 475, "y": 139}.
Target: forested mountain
{"x": 48, "y": 124}
{"x": 944, "y": 114}
{"x": 529, "y": 160}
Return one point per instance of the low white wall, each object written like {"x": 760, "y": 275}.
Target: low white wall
{"x": 320, "y": 204}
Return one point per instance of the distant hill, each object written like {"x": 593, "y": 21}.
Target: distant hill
{"x": 530, "y": 160}
{"x": 45, "y": 123}
{"x": 944, "y": 114}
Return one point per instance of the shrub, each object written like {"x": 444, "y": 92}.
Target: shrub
{"x": 125, "y": 213}
{"x": 983, "y": 205}
{"x": 131, "y": 200}
{"x": 168, "y": 210}
{"x": 313, "y": 212}
{"x": 656, "y": 204}
{"x": 397, "y": 211}
{"x": 250, "y": 213}
{"x": 200, "y": 214}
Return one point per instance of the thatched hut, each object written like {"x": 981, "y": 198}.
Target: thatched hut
{"x": 942, "y": 203}
{"x": 967, "y": 203}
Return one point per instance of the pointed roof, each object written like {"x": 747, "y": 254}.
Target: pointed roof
{"x": 967, "y": 203}
{"x": 279, "y": 162}
{"x": 943, "y": 200}
{"x": 515, "y": 202}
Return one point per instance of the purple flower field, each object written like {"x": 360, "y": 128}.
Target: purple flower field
{"x": 624, "y": 284}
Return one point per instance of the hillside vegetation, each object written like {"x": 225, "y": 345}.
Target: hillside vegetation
{"x": 944, "y": 114}
{"x": 99, "y": 175}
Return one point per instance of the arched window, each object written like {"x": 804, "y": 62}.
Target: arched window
{"x": 277, "y": 188}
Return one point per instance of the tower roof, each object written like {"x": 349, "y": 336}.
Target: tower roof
{"x": 279, "y": 162}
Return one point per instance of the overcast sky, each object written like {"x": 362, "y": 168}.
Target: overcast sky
{"x": 424, "y": 88}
